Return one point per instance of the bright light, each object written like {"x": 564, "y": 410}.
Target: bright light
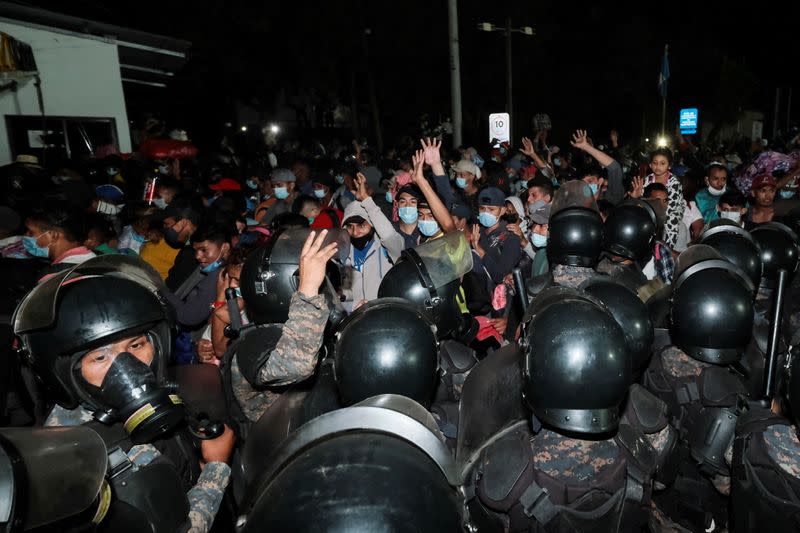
{"x": 485, "y": 26}
{"x": 647, "y": 140}
{"x": 527, "y": 30}
{"x": 244, "y": 128}
{"x": 662, "y": 142}
{"x": 274, "y": 128}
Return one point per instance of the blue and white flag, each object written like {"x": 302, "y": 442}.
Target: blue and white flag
{"x": 663, "y": 76}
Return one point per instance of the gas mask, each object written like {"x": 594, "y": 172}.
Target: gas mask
{"x": 131, "y": 394}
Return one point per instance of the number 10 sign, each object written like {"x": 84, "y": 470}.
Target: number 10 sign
{"x": 499, "y": 127}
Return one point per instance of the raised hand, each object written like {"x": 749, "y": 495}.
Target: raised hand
{"x": 431, "y": 149}
{"x": 418, "y": 161}
{"x": 614, "y": 136}
{"x": 360, "y": 191}
{"x": 313, "y": 260}
{"x": 637, "y": 187}
{"x": 527, "y": 147}
{"x": 580, "y": 140}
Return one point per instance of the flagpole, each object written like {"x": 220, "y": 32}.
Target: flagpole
{"x": 664, "y": 93}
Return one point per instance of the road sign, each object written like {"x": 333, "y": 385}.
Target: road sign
{"x": 500, "y": 127}
{"x": 688, "y": 121}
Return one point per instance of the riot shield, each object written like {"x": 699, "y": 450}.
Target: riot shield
{"x": 490, "y": 402}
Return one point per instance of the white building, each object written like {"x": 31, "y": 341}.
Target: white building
{"x": 81, "y": 69}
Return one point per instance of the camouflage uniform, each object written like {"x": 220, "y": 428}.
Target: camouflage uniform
{"x": 571, "y": 276}
{"x": 293, "y": 359}
{"x": 204, "y": 497}
{"x": 681, "y": 381}
{"x": 576, "y": 473}
{"x": 765, "y": 470}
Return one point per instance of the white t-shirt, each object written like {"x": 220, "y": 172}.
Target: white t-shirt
{"x": 690, "y": 215}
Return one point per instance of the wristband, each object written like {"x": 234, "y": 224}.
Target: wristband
{"x": 216, "y": 305}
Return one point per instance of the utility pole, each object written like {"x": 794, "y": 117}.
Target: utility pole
{"x": 508, "y": 30}
{"x": 455, "y": 72}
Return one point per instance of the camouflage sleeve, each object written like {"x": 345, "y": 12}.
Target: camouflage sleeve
{"x": 60, "y": 417}
{"x": 295, "y": 356}
{"x": 206, "y": 496}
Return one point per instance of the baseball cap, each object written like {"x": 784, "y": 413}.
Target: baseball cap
{"x": 541, "y": 215}
{"x": 282, "y": 174}
{"x": 492, "y": 196}
{"x": 467, "y": 166}
{"x": 226, "y": 184}
{"x": 763, "y": 181}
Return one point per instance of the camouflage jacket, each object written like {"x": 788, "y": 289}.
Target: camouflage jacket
{"x": 293, "y": 359}
{"x": 571, "y": 276}
{"x": 204, "y": 497}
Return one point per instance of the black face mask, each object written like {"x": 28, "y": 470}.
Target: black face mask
{"x": 172, "y": 237}
{"x": 361, "y": 242}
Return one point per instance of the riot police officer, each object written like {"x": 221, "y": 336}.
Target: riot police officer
{"x": 710, "y": 324}
{"x": 280, "y": 284}
{"x": 585, "y": 459}
{"x": 429, "y": 277}
{"x": 575, "y": 238}
{"x": 765, "y": 467}
{"x": 629, "y": 234}
{"x": 376, "y": 466}
{"x": 98, "y": 337}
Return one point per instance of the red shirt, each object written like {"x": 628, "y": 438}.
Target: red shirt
{"x": 328, "y": 218}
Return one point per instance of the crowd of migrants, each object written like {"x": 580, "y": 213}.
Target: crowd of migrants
{"x": 591, "y": 337}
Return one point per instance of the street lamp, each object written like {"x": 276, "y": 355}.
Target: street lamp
{"x": 507, "y": 30}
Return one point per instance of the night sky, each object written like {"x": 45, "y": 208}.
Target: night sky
{"x": 591, "y": 65}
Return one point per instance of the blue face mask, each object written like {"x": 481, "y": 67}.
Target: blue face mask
{"x": 339, "y": 178}
{"x": 594, "y": 187}
{"x": 319, "y": 193}
{"x": 429, "y": 228}
{"x": 211, "y": 267}
{"x": 34, "y": 249}
{"x": 281, "y": 193}
{"x": 539, "y": 241}
{"x": 408, "y": 214}
{"x": 786, "y": 194}
{"x": 535, "y": 206}
{"x": 252, "y": 184}
{"x": 311, "y": 220}
{"x": 557, "y": 161}
{"x": 487, "y": 220}
{"x": 389, "y": 197}
{"x": 461, "y": 183}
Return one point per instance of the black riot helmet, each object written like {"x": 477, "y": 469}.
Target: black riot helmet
{"x": 779, "y": 250}
{"x": 90, "y": 307}
{"x": 270, "y": 274}
{"x": 630, "y": 312}
{"x": 577, "y": 366}
{"x": 375, "y": 466}
{"x": 387, "y": 346}
{"x": 737, "y": 246}
{"x": 575, "y": 227}
{"x": 712, "y": 306}
{"x": 429, "y": 276}
{"x": 630, "y": 231}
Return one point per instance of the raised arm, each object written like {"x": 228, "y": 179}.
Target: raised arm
{"x": 430, "y": 154}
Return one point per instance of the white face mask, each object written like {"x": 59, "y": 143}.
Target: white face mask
{"x": 734, "y": 216}
{"x": 716, "y": 192}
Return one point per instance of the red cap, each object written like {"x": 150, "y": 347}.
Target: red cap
{"x": 226, "y": 184}
{"x": 763, "y": 181}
